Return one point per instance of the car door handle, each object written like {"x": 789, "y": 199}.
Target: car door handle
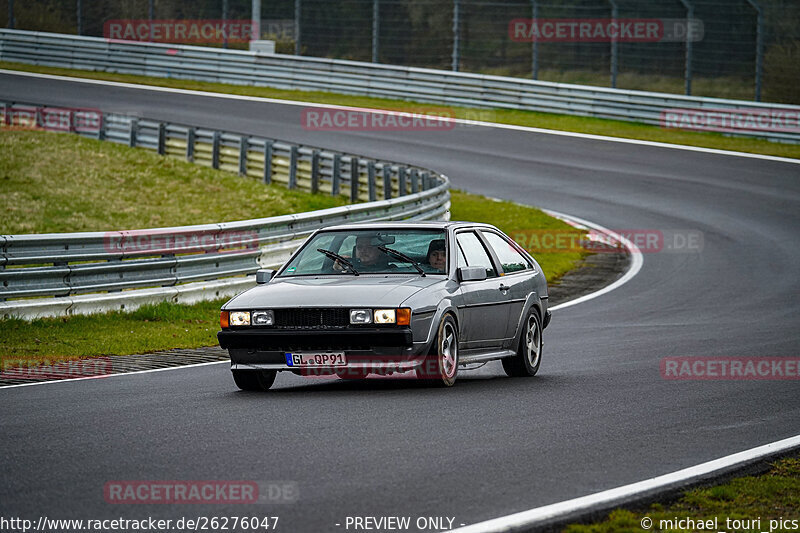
{"x": 503, "y": 287}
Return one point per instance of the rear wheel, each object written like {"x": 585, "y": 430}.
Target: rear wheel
{"x": 254, "y": 380}
{"x": 441, "y": 366}
{"x": 529, "y": 353}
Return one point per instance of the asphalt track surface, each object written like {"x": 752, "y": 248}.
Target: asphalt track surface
{"x": 597, "y": 416}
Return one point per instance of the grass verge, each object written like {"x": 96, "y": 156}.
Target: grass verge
{"x": 521, "y": 118}
{"x": 773, "y": 496}
{"x": 56, "y": 183}
{"x": 53, "y": 182}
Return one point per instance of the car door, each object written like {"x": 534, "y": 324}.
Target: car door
{"x": 485, "y": 309}
{"x": 516, "y": 272}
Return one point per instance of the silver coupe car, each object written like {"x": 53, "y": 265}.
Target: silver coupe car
{"x": 399, "y": 298}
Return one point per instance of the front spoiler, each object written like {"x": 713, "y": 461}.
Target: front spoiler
{"x": 312, "y": 339}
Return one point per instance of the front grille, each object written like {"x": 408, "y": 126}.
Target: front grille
{"x": 312, "y": 318}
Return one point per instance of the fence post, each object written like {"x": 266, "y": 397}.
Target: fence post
{"x": 337, "y": 174}
{"x": 376, "y": 25}
{"x": 10, "y": 14}
{"x": 297, "y": 12}
{"x": 162, "y": 138}
{"x": 614, "y": 44}
{"x": 132, "y": 133}
{"x": 79, "y": 16}
{"x": 293, "y": 167}
{"x": 371, "y": 181}
{"x": 315, "y": 171}
{"x": 456, "y": 33}
{"x": 224, "y": 20}
{"x": 387, "y": 181}
{"x": 354, "y": 175}
{"x": 689, "y": 48}
{"x": 267, "y": 162}
{"x": 401, "y": 181}
{"x": 215, "y": 138}
{"x": 244, "y": 144}
{"x": 535, "y": 51}
{"x": 759, "y": 46}
{"x": 190, "y": 145}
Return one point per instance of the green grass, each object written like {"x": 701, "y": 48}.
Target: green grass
{"x": 55, "y": 182}
{"x": 771, "y": 496}
{"x": 522, "y": 118}
{"x": 147, "y": 329}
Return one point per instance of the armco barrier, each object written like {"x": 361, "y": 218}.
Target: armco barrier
{"x": 387, "y": 81}
{"x": 65, "y": 273}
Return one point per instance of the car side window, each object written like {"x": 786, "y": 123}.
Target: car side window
{"x": 475, "y": 253}
{"x": 510, "y": 259}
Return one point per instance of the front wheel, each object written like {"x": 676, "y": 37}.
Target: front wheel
{"x": 529, "y": 354}
{"x": 254, "y": 380}
{"x": 441, "y": 366}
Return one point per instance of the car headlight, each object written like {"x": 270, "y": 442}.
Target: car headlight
{"x": 264, "y": 318}
{"x": 360, "y": 316}
{"x": 385, "y": 316}
{"x": 239, "y": 318}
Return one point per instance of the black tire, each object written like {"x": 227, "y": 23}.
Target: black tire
{"x": 441, "y": 365}
{"x": 529, "y": 352}
{"x": 254, "y": 380}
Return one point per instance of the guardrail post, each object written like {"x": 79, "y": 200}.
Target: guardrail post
{"x": 190, "y": 145}
{"x": 337, "y": 174}
{"x": 401, "y": 181}
{"x": 689, "y": 47}
{"x": 759, "y": 46}
{"x": 267, "y": 162}
{"x": 376, "y": 24}
{"x": 354, "y": 175}
{"x": 315, "y": 171}
{"x": 134, "y": 127}
{"x": 614, "y": 44}
{"x": 456, "y": 33}
{"x": 293, "y": 167}
{"x": 162, "y": 141}
{"x": 215, "y": 141}
{"x": 535, "y": 51}
{"x": 371, "y": 181}
{"x": 426, "y": 181}
{"x": 101, "y": 131}
{"x": 414, "y": 181}
{"x": 297, "y": 13}
{"x": 387, "y": 181}
{"x": 244, "y": 145}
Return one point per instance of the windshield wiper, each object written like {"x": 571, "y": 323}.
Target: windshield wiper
{"x": 403, "y": 257}
{"x": 337, "y": 257}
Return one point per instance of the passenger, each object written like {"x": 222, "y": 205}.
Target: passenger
{"x": 437, "y": 255}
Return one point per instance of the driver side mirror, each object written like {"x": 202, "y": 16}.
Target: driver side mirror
{"x": 263, "y": 275}
{"x": 471, "y": 273}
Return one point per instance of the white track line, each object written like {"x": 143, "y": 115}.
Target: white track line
{"x": 540, "y": 515}
{"x": 386, "y": 112}
{"x": 106, "y": 376}
{"x": 637, "y": 259}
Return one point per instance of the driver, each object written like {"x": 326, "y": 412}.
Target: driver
{"x": 367, "y": 255}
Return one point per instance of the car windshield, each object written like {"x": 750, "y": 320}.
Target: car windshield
{"x": 371, "y": 251}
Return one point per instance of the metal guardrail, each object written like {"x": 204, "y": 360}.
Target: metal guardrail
{"x": 190, "y": 263}
{"x": 384, "y": 81}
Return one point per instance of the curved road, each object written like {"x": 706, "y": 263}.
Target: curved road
{"x": 599, "y": 414}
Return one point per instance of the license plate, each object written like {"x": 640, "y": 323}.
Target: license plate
{"x": 316, "y": 359}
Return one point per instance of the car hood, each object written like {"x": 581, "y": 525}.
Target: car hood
{"x": 350, "y": 291}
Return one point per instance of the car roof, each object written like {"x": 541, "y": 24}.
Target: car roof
{"x": 424, "y": 224}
